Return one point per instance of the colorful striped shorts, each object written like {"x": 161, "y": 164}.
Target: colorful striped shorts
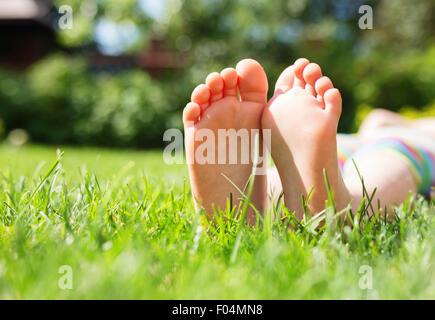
{"x": 411, "y": 145}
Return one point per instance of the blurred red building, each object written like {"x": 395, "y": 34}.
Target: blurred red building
{"x": 28, "y": 31}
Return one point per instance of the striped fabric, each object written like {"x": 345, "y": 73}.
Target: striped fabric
{"x": 418, "y": 154}
{"x": 347, "y": 145}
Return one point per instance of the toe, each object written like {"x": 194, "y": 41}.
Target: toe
{"x": 285, "y": 80}
{"x": 230, "y": 81}
{"x": 252, "y": 81}
{"x": 201, "y": 96}
{"x": 322, "y": 85}
{"x": 216, "y": 84}
{"x": 299, "y": 67}
{"x": 311, "y": 73}
{"x": 332, "y": 99}
{"x": 191, "y": 114}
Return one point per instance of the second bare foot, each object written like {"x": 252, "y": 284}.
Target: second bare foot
{"x": 303, "y": 117}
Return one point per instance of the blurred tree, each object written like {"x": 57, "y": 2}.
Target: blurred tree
{"x": 390, "y": 66}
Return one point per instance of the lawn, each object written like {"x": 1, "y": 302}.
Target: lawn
{"x": 121, "y": 224}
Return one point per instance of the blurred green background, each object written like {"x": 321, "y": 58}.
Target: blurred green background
{"x": 66, "y": 98}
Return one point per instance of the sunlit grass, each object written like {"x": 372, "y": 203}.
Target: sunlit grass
{"x": 125, "y": 224}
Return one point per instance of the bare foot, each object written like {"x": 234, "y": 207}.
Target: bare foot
{"x": 303, "y": 117}
{"x": 216, "y": 105}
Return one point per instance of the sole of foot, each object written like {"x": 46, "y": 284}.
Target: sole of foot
{"x": 233, "y": 99}
{"x": 303, "y": 117}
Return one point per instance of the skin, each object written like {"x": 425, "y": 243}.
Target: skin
{"x": 302, "y": 117}
{"x": 304, "y": 96}
{"x": 380, "y": 171}
{"x": 217, "y": 105}
{"x": 383, "y": 118}
{"x": 383, "y": 171}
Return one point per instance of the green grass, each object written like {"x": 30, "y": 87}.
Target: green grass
{"x": 125, "y": 224}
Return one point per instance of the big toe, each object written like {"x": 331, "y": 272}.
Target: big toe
{"x": 252, "y": 81}
{"x": 285, "y": 80}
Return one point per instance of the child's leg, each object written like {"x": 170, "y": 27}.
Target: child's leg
{"x": 425, "y": 124}
{"x": 381, "y": 118}
{"x": 395, "y": 164}
{"x": 388, "y": 174}
{"x": 401, "y": 163}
